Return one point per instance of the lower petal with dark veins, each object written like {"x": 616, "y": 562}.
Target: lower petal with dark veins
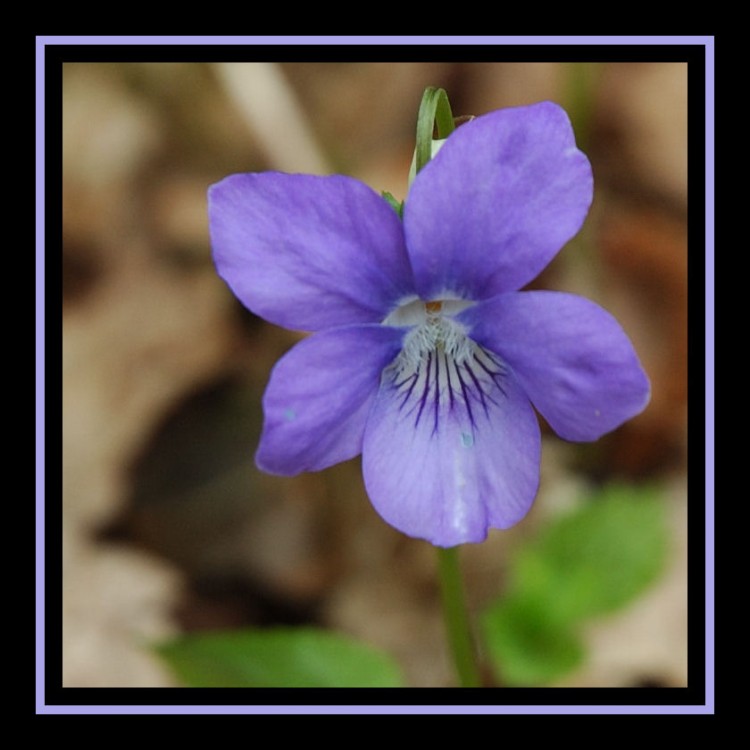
{"x": 451, "y": 447}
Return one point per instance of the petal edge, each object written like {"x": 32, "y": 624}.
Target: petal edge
{"x": 496, "y": 204}
{"x": 571, "y": 356}
{"x": 319, "y": 396}
{"x": 308, "y": 252}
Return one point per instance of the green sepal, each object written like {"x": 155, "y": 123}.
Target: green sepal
{"x": 396, "y": 205}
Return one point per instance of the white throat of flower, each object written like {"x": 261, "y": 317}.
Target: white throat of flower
{"x": 440, "y": 367}
{"x": 438, "y": 333}
{"x": 434, "y": 330}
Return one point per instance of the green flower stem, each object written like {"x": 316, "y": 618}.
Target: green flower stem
{"x": 457, "y": 618}
{"x": 582, "y": 80}
{"x": 581, "y": 262}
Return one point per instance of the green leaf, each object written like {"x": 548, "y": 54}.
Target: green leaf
{"x": 599, "y": 557}
{"x": 587, "y": 563}
{"x": 525, "y": 646}
{"x": 283, "y": 657}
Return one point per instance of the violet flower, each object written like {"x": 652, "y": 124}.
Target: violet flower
{"x": 426, "y": 358}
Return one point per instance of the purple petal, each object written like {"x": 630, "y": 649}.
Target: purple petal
{"x": 319, "y": 395}
{"x": 452, "y": 452}
{"x": 504, "y": 194}
{"x": 308, "y": 252}
{"x": 570, "y": 356}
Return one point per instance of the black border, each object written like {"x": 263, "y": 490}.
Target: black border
{"x": 55, "y": 55}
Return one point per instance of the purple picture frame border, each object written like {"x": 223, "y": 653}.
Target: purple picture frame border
{"x": 708, "y": 42}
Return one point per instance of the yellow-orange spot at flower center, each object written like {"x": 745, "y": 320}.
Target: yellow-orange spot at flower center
{"x": 433, "y": 307}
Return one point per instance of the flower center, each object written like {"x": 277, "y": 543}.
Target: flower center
{"x": 415, "y": 311}
{"x": 438, "y": 334}
{"x": 440, "y": 367}
{"x": 434, "y": 330}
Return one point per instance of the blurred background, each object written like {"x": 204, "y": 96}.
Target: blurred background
{"x": 168, "y": 526}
